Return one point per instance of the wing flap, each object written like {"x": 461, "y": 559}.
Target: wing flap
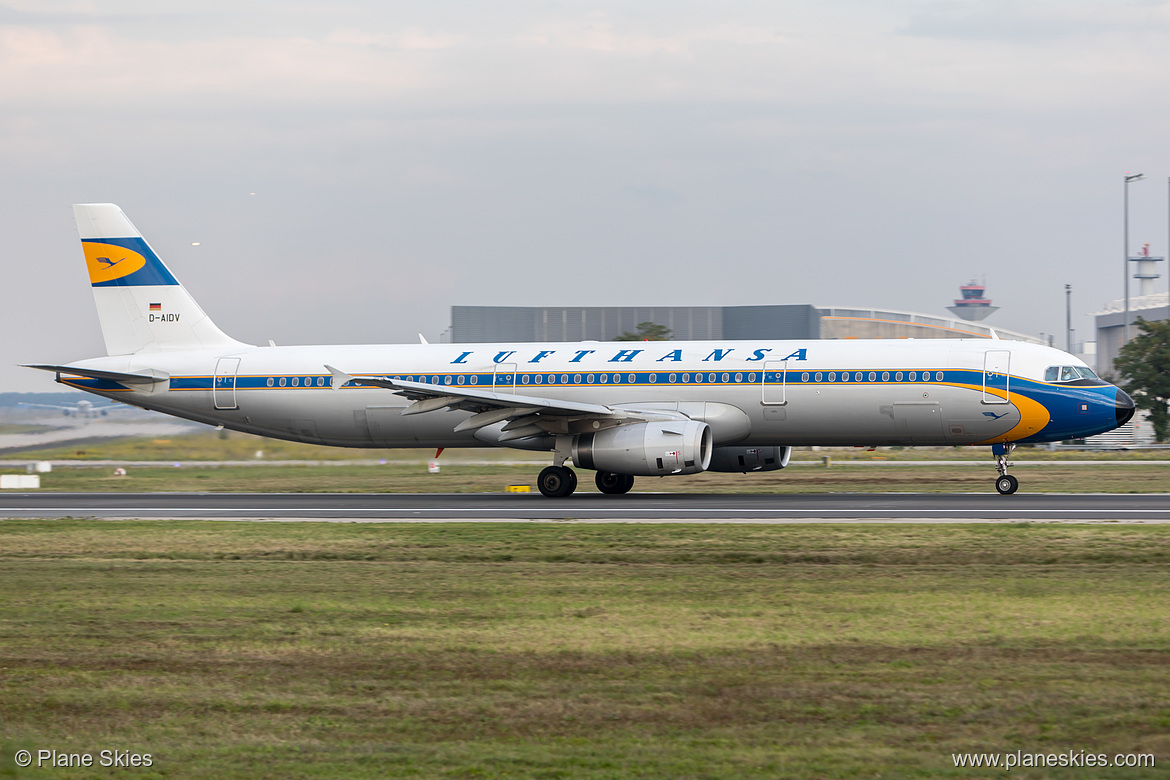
{"x": 491, "y": 417}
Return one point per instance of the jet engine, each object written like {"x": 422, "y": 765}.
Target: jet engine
{"x": 746, "y": 459}
{"x": 650, "y": 449}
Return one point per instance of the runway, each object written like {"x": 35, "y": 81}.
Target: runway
{"x": 597, "y": 508}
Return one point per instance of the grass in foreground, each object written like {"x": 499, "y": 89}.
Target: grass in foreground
{"x": 323, "y": 650}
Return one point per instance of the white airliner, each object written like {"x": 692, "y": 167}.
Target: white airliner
{"x": 82, "y": 409}
{"x": 622, "y": 409}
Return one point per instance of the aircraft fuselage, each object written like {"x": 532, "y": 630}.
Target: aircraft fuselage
{"x": 791, "y": 393}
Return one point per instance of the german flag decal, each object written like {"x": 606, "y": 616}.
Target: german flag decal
{"x": 156, "y": 307}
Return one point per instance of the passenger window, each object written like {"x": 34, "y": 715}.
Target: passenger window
{"x": 1051, "y": 373}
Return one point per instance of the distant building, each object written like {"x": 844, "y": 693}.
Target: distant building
{"x": 487, "y": 324}
{"x": 1111, "y": 324}
{"x": 1147, "y": 304}
{"x": 973, "y": 306}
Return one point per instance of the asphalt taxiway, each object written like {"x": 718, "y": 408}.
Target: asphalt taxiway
{"x": 597, "y": 508}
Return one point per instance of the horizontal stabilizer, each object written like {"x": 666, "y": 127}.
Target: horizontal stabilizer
{"x": 145, "y": 378}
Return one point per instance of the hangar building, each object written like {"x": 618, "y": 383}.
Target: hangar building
{"x": 487, "y": 324}
{"x": 1111, "y": 325}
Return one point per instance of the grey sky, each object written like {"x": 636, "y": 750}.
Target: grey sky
{"x": 410, "y": 156}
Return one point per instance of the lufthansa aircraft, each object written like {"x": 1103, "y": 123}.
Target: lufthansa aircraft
{"x": 622, "y": 409}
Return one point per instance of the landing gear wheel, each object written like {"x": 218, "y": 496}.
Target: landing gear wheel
{"x": 556, "y": 481}
{"x": 1007, "y": 484}
{"x": 613, "y": 484}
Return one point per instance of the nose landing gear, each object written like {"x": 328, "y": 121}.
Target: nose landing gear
{"x": 1005, "y": 484}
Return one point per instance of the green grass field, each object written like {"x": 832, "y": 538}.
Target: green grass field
{"x": 561, "y": 651}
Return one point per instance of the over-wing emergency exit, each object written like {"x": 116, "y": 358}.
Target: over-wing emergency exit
{"x": 622, "y": 409}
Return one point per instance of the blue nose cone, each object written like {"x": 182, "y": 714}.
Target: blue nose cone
{"x": 1125, "y": 407}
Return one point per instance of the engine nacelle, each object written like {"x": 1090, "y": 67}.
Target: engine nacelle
{"x": 651, "y": 449}
{"x": 745, "y": 459}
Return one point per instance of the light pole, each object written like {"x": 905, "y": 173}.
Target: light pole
{"x": 1129, "y": 177}
{"x": 1068, "y": 317}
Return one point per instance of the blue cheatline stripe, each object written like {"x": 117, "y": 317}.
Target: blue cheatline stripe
{"x": 536, "y": 381}
{"x": 154, "y": 273}
{"x": 1057, "y": 398}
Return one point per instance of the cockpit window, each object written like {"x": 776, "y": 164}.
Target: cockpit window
{"x": 1068, "y": 373}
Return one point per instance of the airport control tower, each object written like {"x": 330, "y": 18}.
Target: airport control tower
{"x": 972, "y": 306}
{"x": 1145, "y": 273}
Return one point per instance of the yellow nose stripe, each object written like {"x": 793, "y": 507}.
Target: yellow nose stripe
{"x": 1033, "y": 417}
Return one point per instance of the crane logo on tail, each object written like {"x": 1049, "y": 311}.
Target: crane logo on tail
{"x": 107, "y": 262}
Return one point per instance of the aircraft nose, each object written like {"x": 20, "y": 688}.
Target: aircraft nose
{"x": 1125, "y": 407}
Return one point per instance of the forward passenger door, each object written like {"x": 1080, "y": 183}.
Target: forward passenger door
{"x": 996, "y": 376}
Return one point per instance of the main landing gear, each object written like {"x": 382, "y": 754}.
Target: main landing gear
{"x": 614, "y": 484}
{"x": 561, "y": 481}
{"x": 557, "y": 481}
{"x": 1005, "y": 484}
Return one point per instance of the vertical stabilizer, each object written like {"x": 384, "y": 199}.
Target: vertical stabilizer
{"x": 141, "y": 305}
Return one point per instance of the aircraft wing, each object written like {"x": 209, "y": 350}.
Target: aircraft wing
{"x": 526, "y": 415}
